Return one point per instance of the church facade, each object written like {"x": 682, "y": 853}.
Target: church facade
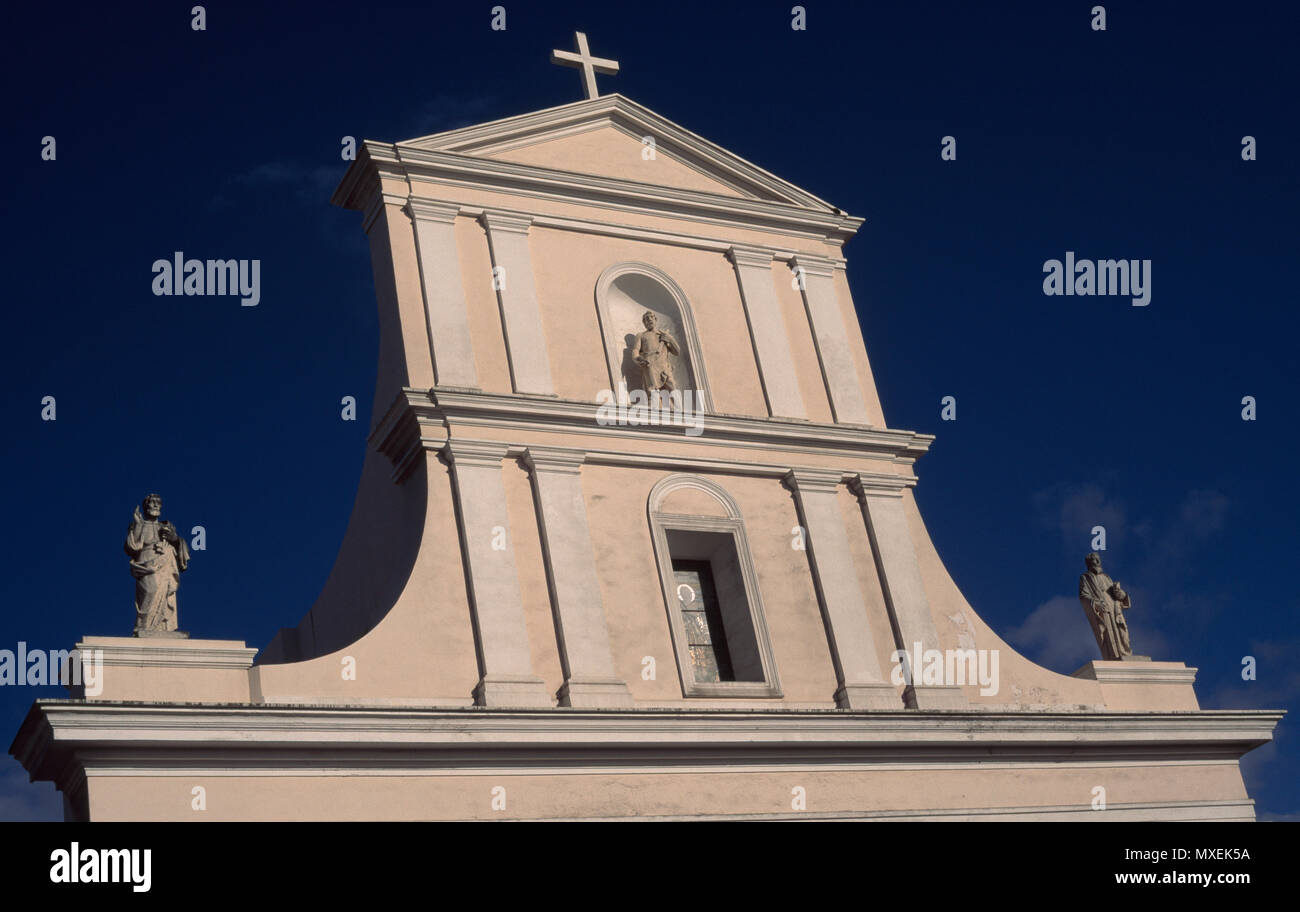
{"x": 632, "y": 539}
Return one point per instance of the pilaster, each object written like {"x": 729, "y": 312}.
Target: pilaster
{"x": 581, "y": 628}
{"x": 830, "y": 335}
{"x": 444, "y": 293}
{"x": 843, "y": 607}
{"x": 500, "y": 633}
{"x": 521, "y": 318}
{"x": 768, "y": 331}
{"x": 881, "y": 499}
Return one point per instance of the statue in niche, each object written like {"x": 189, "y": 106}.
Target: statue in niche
{"x": 652, "y": 350}
{"x": 158, "y": 557}
{"x": 1104, "y": 602}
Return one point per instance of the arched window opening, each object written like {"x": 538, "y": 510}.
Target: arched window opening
{"x": 710, "y": 590}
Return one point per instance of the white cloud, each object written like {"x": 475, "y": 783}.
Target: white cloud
{"x": 1075, "y": 509}
{"x": 1056, "y": 635}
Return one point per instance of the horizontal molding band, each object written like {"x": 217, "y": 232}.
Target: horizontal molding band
{"x": 633, "y": 120}
{"x": 59, "y": 735}
{"x": 419, "y": 419}
{"x": 1150, "y": 810}
{"x": 377, "y": 160}
{"x": 146, "y": 652}
{"x": 365, "y": 765}
{"x": 714, "y": 244}
{"x": 684, "y": 725}
{"x": 1130, "y": 672}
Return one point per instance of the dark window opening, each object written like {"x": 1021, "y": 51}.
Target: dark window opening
{"x": 697, "y": 597}
{"x": 709, "y": 592}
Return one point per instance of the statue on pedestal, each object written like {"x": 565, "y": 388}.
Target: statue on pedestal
{"x": 652, "y": 351}
{"x": 158, "y": 556}
{"x": 1104, "y": 602}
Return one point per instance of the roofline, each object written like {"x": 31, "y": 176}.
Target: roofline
{"x": 463, "y": 145}
{"x": 614, "y": 103}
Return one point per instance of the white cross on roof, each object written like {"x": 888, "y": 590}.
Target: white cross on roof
{"x": 589, "y": 65}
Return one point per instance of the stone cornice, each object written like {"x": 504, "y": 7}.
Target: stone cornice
{"x": 432, "y": 210}
{"x": 419, "y": 420}
{"x": 554, "y": 460}
{"x": 750, "y": 256}
{"x": 623, "y": 230}
{"x": 814, "y": 265}
{"x": 377, "y": 160}
{"x": 144, "y": 652}
{"x": 56, "y": 732}
{"x": 1230, "y": 809}
{"x": 824, "y": 481}
{"x": 495, "y": 220}
{"x": 1137, "y": 672}
{"x": 480, "y": 453}
{"x": 633, "y": 119}
{"x": 375, "y": 204}
{"x": 864, "y": 485}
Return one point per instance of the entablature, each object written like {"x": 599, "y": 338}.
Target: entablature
{"x": 423, "y": 420}
{"x": 377, "y": 161}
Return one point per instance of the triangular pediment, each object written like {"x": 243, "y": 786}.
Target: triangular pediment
{"x": 610, "y": 151}
{"x": 605, "y": 137}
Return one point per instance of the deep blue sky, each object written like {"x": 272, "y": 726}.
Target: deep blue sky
{"x": 1071, "y": 411}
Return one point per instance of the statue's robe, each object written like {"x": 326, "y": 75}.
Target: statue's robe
{"x": 156, "y": 565}
{"x": 1105, "y": 615}
{"x": 653, "y": 351}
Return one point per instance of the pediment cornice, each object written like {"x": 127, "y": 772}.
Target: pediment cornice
{"x": 459, "y": 157}
{"x": 624, "y": 114}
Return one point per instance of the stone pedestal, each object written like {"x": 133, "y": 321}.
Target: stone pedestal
{"x": 867, "y": 696}
{"x": 1136, "y": 683}
{"x": 164, "y": 669}
{"x": 942, "y": 696}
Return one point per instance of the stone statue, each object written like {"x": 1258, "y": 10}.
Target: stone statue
{"x": 158, "y": 555}
{"x": 652, "y": 351}
{"x": 1104, "y": 602}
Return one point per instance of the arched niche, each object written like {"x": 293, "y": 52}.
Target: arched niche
{"x": 624, "y": 292}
